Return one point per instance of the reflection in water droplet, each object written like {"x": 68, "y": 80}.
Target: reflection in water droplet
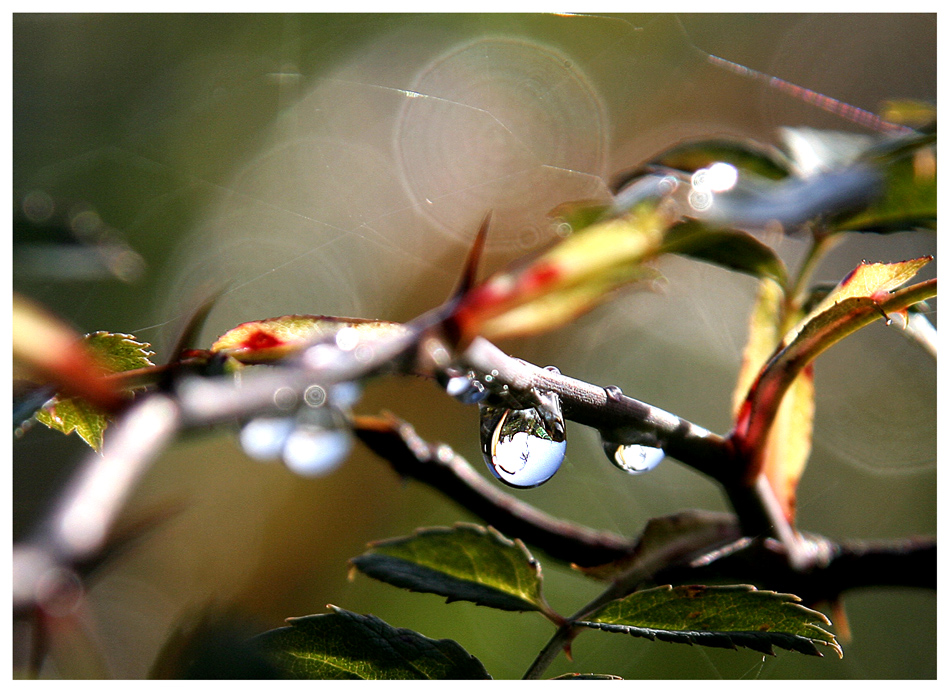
{"x": 634, "y": 459}
{"x": 264, "y": 438}
{"x": 522, "y": 447}
{"x": 313, "y": 451}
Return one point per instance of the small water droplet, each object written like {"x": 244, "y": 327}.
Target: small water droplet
{"x": 314, "y": 451}
{"x": 522, "y": 447}
{"x": 466, "y": 389}
{"x": 634, "y": 459}
{"x": 613, "y": 392}
{"x": 345, "y": 395}
{"x": 264, "y": 438}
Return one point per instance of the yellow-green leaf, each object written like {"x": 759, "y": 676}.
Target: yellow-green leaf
{"x": 579, "y": 271}
{"x": 861, "y": 298}
{"x": 118, "y": 353}
{"x": 788, "y": 445}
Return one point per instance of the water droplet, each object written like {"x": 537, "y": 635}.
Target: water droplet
{"x": 345, "y": 395}
{"x": 314, "y": 451}
{"x": 613, "y": 392}
{"x": 522, "y": 447}
{"x": 634, "y": 459}
{"x": 466, "y": 389}
{"x": 264, "y": 438}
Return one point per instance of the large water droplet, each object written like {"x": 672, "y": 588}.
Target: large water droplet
{"x": 521, "y": 446}
{"x": 314, "y": 451}
{"x": 264, "y": 438}
{"x": 634, "y": 459}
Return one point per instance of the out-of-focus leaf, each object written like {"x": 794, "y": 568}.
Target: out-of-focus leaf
{"x": 731, "y": 617}
{"x": 604, "y": 256}
{"x": 668, "y": 540}
{"x": 118, "y": 353}
{"x": 211, "y": 645}
{"x": 909, "y": 199}
{"x": 814, "y": 151}
{"x": 264, "y": 341}
{"x": 50, "y": 351}
{"x": 731, "y": 249}
{"x": 915, "y": 114}
{"x": 746, "y": 155}
{"x": 345, "y": 645}
{"x": 563, "y": 305}
{"x": 788, "y": 445}
{"x": 580, "y": 214}
{"x": 587, "y": 677}
{"x": 765, "y": 331}
{"x": 860, "y": 299}
{"x": 789, "y": 442}
{"x": 464, "y": 562}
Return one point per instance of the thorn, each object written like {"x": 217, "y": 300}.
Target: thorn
{"x": 840, "y": 619}
{"x": 194, "y": 325}
{"x": 470, "y": 270}
{"x": 567, "y": 652}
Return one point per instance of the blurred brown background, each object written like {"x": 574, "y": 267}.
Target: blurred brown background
{"x": 338, "y": 164}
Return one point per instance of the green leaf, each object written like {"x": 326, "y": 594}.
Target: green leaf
{"x": 264, "y": 341}
{"x": 734, "y": 250}
{"x": 74, "y": 414}
{"x": 587, "y": 677}
{"x": 345, "y": 645}
{"x": 748, "y": 156}
{"x": 118, "y": 353}
{"x": 731, "y": 617}
{"x": 461, "y": 563}
{"x": 909, "y": 199}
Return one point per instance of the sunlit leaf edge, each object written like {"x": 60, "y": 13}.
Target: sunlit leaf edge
{"x": 341, "y": 631}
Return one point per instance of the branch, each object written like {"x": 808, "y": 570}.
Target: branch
{"x": 439, "y": 467}
{"x": 832, "y": 567}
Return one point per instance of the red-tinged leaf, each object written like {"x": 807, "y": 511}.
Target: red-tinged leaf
{"x": 562, "y": 306}
{"x": 862, "y": 297}
{"x": 264, "y": 341}
{"x": 603, "y": 257}
{"x": 51, "y": 351}
{"x": 788, "y": 445}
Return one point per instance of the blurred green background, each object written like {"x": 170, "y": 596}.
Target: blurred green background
{"x": 338, "y": 164}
